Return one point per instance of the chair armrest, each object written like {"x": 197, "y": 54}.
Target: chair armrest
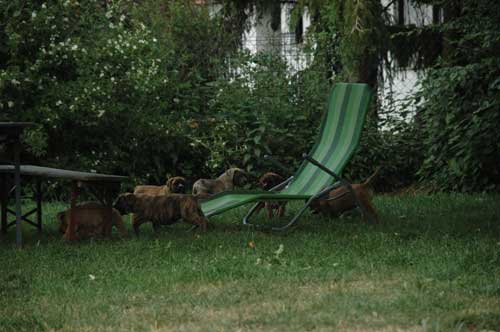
{"x": 282, "y": 184}
{"x": 322, "y": 167}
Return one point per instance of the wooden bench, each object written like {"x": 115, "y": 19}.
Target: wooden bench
{"x": 104, "y": 187}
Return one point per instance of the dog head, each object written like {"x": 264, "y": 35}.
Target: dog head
{"x": 270, "y": 180}
{"x": 318, "y": 205}
{"x": 125, "y": 203}
{"x": 63, "y": 225}
{"x": 177, "y": 185}
{"x": 238, "y": 176}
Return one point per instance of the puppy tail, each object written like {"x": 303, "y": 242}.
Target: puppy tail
{"x": 368, "y": 181}
{"x": 60, "y": 216}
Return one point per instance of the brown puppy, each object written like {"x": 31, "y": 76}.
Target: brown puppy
{"x": 161, "y": 210}
{"x": 268, "y": 181}
{"x": 340, "y": 200}
{"x": 227, "y": 181}
{"x": 90, "y": 220}
{"x": 174, "y": 185}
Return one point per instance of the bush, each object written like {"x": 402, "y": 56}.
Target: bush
{"x": 162, "y": 88}
{"x": 110, "y": 94}
{"x": 103, "y": 90}
{"x": 459, "y": 116}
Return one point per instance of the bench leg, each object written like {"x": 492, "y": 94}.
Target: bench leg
{"x": 38, "y": 198}
{"x": 108, "y": 202}
{"x": 4, "y": 198}
{"x": 17, "y": 183}
{"x": 70, "y": 234}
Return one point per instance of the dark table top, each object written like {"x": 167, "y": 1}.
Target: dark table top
{"x": 31, "y": 170}
{"x": 21, "y": 125}
{"x": 12, "y": 131}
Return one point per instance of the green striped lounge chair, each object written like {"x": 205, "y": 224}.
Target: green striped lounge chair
{"x": 320, "y": 171}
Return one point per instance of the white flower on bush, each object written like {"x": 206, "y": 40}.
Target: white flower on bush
{"x": 44, "y": 5}
{"x": 33, "y": 15}
{"x": 59, "y": 103}
{"x": 74, "y": 47}
{"x": 15, "y": 82}
{"x": 100, "y": 113}
{"x": 10, "y": 103}
{"x": 122, "y": 18}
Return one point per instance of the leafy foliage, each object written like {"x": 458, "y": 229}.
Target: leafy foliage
{"x": 459, "y": 116}
{"x": 164, "y": 88}
{"x": 100, "y": 86}
{"x": 118, "y": 89}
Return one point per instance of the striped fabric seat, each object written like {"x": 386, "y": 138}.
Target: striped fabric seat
{"x": 338, "y": 138}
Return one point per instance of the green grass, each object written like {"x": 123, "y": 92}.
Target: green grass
{"x": 434, "y": 265}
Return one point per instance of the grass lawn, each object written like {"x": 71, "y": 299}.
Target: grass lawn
{"x": 434, "y": 265}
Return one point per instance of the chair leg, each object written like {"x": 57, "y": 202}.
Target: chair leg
{"x": 359, "y": 204}
{"x": 344, "y": 183}
{"x": 296, "y": 217}
{"x": 246, "y": 219}
{"x": 303, "y": 209}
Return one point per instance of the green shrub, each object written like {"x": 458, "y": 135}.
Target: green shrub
{"x": 102, "y": 89}
{"x": 459, "y": 117}
{"x": 163, "y": 88}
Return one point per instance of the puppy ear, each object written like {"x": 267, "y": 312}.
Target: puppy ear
{"x": 230, "y": 172}
{"x": 170, "y": 182}
{"x": 130, "y": 199}
{"x": 238, "y": 172}
{"x": 61, "y": 217}
{"x": 125, "y": 199}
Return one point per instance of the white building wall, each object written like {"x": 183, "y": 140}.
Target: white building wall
{"x": 405, "y": 82}
{"x": 261, "y": 37}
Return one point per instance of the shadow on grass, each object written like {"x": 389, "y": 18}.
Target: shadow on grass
{"x": 405, "y": 217}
